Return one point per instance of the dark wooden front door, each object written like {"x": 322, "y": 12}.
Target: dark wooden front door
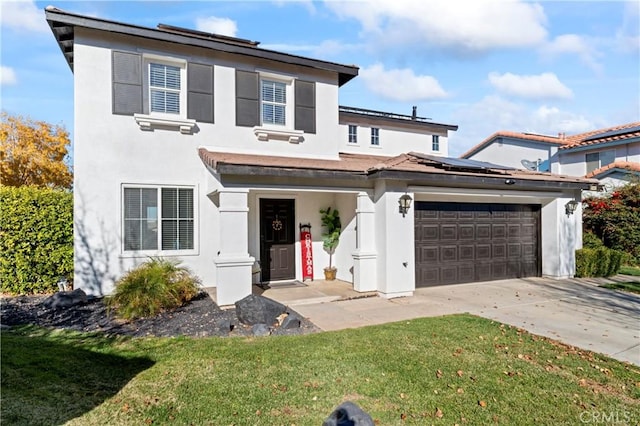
{"x": 277, "y": 239}
{"x": 459, "y": 243}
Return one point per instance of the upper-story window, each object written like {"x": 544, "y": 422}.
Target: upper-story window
{"x": 164, "y": 88}
{"x": 435, "y": 143}
{"x": 375, "y": 136}
{"x": 274, "y": 102}
{"x": 595, "y": 160}
{"x": 353, "y": 133}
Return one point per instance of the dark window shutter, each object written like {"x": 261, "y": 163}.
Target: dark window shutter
{"x": 127, "y": 83}
{"x": 200, "y": 92}
{"x": 247, "y": 99}
{"x": 305, "y": 108}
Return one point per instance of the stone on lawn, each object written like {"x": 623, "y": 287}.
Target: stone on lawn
{"x": 66, "y": 299}
{"x": 290, "y": 321}
{"x": 348, "y": 413}
{"x": 260, "y": 330}
{"x": 255, "y": 309}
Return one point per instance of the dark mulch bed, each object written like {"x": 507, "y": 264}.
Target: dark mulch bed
{"x": 199, "y": 318}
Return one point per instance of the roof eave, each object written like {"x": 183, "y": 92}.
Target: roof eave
{"x": 58, "y": 19}
{"x": 289, "y": 172}
{"x": 578, "y": 148}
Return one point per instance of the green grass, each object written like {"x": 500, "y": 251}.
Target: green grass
{"x": 470, "y": 370}
{"x": 631, "y": 287}
{"x": 630, "y": 270}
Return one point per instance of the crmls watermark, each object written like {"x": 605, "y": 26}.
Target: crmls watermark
{"x": 613, "y": 417}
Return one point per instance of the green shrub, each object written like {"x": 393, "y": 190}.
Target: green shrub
{"x": 151, "y": 288}
{"x": 600, "y": 262}
{"x": 36, "y": 239}
{"x": 591, "y": 240}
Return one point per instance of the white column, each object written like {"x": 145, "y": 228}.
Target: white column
{"x": 365, "y": 256}
{"x": 561, "y": 237}
{"x": 233, "y": 263}
{"x": 395, "y": 243}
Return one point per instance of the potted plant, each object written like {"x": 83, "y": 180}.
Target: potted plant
{"x": 330, "y": 238}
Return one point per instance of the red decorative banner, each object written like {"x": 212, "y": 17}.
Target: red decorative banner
{"x": 307, "y": 253}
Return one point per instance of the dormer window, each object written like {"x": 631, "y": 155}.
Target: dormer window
{"x": 274, "y": 102}
{"x": 164, "y": 88}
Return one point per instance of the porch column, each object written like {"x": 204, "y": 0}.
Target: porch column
{"x": 365, "y": 257}
{"x": 561, "y": 237}
{"x": 233, "y": 263}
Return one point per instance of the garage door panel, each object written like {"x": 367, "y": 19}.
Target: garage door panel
{"x": 464, "y": 242}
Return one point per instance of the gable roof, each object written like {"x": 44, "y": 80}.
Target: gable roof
{"x": 412, "y": 167}
{"x": 618, "y": 166}
{"x": 609, "y": 134}
{"x": 63, "y": 26}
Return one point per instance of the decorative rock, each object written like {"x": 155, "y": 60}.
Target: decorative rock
{"x": 260, "y": 330}
{"x": 255, "y": 309}
{"x": 226, "y": 326}
{"x": 347, "y": 414}
{"x": 66, "y": 299}
{"x": 290, "y": 321}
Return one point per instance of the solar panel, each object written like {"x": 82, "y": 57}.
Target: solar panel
{"x": 614, "y": 133}
{"x": 463, "y": 163}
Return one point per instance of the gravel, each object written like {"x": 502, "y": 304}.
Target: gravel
{"x": 199, "y": 318}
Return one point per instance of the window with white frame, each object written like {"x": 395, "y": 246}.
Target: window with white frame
{"x": 273, "y": 102}
{"x": 158, "y": 218}
{"x": 353, "y": 133}
{"x": 595, "y": 160}
{"x": 375, "y": 136}
{"x": 435, "y": 143}
{"x": 164, "y": 88}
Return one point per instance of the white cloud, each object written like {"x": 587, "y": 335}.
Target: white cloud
{"x": 23, "y": 16}
{"x": 542, "y": 86}
{"x": 215, "y": 25}
{"x": 573, "y": 44}
{"x": 480, "y": 120}
{"x": 7, "y": 76}
{"x": 475, "y": 27}
{"x": 401, "y": 84}
{"x": 628, "y": 35}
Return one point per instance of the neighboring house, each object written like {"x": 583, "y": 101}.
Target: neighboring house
{"x": 611, "y": 155}
{"x": 214, "y": 151}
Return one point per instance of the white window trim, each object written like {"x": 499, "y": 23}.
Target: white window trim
{"x": 371, "y": 144}
{"x": 159, "y": 252}
{"x": 435, "y": 140}
{"x": 157, "y": 119}
{"x": 290, "y": 105}
{"x": 349, "y": 134}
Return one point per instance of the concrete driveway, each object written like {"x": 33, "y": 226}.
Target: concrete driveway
{"x": 572, "y": 311}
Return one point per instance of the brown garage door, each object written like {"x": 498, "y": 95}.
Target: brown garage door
{"x": 466, "y": 242}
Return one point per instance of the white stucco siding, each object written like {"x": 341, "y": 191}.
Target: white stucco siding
{"x": 392, "y": 141}
{"x": 511, "y": 153}
{"x": 573, "y": 162}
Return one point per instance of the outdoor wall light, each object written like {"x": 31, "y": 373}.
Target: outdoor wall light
{"x": 405, "y": 204}
{"x": 509, "y": 181}
{"x": 570, "y": 207}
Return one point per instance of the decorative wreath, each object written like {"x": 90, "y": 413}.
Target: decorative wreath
{"x": 276, "y": 225}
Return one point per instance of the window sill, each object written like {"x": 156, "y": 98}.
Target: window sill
{"x": 157, "y": 253}
{"x": 267, "y": 133}
{"x": 150, "y": 122}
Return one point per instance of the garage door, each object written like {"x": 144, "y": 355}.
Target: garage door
{"x": 466, "y": 242}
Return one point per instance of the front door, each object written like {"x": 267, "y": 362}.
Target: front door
{"x": 277, "y": 239}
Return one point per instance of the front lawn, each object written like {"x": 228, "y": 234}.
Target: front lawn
{"x": 631, "y": 287}
{"x": 630, "y": 270}
{"x": 455, "y": 369}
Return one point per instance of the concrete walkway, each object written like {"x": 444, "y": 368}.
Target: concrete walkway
{"x": 573, "y": 311}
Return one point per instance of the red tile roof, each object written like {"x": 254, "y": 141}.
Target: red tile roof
{"x": 623, "y": 165}
{"x": 562, "y": 140}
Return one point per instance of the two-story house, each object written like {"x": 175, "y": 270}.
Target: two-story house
{"x": 213, "y": 150}
{"x": 611, "y": 155}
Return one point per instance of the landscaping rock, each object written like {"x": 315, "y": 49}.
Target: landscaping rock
{"x": 260, "y": 330}
{"x": 348, "y": 414}
{"x": 255, "y": 309}
{"x": 290, "y": 321}
{"x": 66, "y": 299}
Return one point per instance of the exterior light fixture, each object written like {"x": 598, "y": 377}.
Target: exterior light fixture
{"x": 509, "y": 181}
{"x": 570, "y": 207}
{"x": 405, "y": 204}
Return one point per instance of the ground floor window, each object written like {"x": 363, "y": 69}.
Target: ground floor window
{"x": 158, "y": 218}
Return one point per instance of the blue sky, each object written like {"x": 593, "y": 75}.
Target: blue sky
{"x": 542, "y": 67}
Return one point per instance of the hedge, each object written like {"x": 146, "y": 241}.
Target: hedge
{"x": 36, "y": 239}
{"x": 599, "y": 262}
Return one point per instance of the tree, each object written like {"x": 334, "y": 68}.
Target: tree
{"x": 33, "y": 153}
{"x": 615, "y": 219}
